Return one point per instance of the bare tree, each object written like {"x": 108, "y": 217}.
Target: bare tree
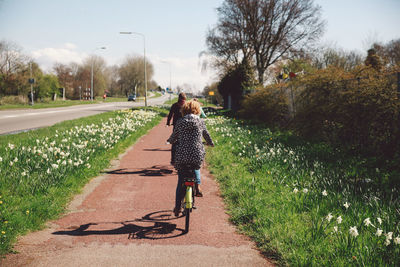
{"x": 13, "y": 67}
{"x": 331, "y": 56}
{"x": 112, "y": 76}
{"x": 263, "y": 31}
{"x": 389, "y": 52}
{"x": 99, "y": 65}
{"x": 66, "y": 78}
{"x": 131, "y": 74}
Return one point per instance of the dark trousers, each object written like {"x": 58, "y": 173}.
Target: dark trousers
{"x": 180, "y": 191}
{"x": 173, "y": 150}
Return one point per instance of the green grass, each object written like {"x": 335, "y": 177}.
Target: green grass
{"x": 172, "y": 101}
{"x": 67, "y": 103}
{"x": 290, "y": 195}
{"x": 41, "y": 170}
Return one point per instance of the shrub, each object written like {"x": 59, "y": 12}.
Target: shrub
{"x": 357, "y": 109}
{"x": 266, "y": 105}
{"x": 343, "y": 108}
{"x": 13, "y": 100}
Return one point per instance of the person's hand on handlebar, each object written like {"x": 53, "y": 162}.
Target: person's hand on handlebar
{"x": 207, "y": 144}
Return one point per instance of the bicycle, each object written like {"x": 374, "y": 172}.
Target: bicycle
{"x": 188, "y": 200}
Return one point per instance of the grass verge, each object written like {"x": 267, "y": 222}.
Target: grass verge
{"x": 304, "y": 204}
{"x": 40, "y": 171}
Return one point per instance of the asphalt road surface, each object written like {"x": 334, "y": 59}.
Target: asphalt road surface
{"x": 15, "y": 121}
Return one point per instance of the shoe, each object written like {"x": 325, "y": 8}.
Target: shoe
{"x": 198, "y": 191}
{"x": 177, "y": 211}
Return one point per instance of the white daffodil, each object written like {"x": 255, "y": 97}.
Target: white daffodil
{"x": 11, "y": 146}
{"x": 367, "y": 222}
{"x": 48, "y": 171}
{"x": 397, "y": 240}
{"x": 387, "y": 242}
{"x": 305, "y": 190}
{"x": 353, "y": 231}
{"x": 1, "y": 159}
{"x": 295, "y": 190}
{"x": 346, "y": 205}
{"x": 378, "y": 232}
{"x": 339, "y": 219}
{"x": 335, "y": 229}
{"x": 389, "y": 235}
{"x": 324, "y": 193}
{"x": 379, "y": 220}
{"x": 329, "y": 217}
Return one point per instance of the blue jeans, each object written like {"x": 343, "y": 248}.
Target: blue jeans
{"x": 180, "y": 190}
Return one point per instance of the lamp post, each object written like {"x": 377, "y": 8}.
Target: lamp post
{"x": 144, "y": 55}
{"x": 170, "y": 88}
{"x": 91, "y": 74}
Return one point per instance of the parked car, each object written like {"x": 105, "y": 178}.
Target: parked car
{"x": 132, "y": 98}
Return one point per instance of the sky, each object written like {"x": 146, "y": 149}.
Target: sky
{"x": 65, "y": 31}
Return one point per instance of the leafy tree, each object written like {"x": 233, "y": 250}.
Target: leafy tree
{"x": 263, "y": 31}
{"x": 214, "y": 88}
{"x": 235, "y": 83}
{"x": 373, "y": 60}
{"x": 47, "y": 86}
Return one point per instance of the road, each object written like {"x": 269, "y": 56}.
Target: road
{"x": 15, "y": 121}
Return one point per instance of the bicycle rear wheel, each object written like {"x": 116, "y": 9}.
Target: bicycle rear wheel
{"x": 187, "y": 220}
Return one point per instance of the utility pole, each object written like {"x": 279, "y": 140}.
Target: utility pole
{"x": 31, "y": 81}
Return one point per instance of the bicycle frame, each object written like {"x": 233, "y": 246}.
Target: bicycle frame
{"x": 188, "y": 201}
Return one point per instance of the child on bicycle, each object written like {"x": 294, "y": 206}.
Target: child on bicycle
{"x": 188, "y": 134}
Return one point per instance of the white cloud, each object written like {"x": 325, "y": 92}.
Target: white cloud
{"x": 185, "y": 72}
{"x": 46, "y": 57}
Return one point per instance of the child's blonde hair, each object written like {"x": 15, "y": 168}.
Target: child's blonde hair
{"x": 191, "y": 107}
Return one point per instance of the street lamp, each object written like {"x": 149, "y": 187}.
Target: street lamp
{"x": 91, "y": 74}
{"x": 170, "y": 88}
{"x": 144, "y": 55}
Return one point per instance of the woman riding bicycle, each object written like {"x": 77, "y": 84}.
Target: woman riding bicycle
{"x": 187, "y": 135}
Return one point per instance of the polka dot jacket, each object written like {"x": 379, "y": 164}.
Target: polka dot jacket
{"x": 187, "y": 135}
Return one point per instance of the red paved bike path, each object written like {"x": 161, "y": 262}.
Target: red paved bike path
{"x": 124, "y": 218}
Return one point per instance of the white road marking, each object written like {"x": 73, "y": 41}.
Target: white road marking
{"x": 45, "y": 112}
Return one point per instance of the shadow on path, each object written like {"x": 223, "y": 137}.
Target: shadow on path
{"x": 153, "y": 171}
{"x": 159, "y": 230}
{"x": 156, "y": 149}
